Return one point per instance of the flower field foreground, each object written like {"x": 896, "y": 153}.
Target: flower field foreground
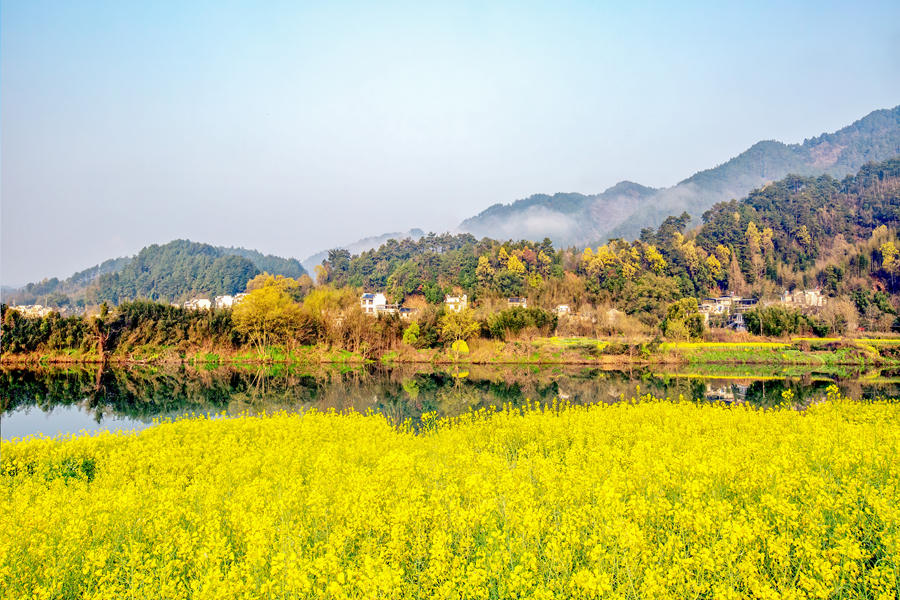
{"x": 643, "y": 500}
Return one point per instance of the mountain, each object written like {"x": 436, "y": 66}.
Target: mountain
{"x": 173, "y": 271}
{"x": 565, "y": 218}
{"x": 626, "y": 208}
{"x": 360, "y": 246}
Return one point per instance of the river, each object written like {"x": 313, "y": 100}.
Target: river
{"x": 53, "y": 402}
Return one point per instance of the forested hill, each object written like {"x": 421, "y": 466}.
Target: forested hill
{"x": 168, "y": 272}
{"x": 797, "y": 233}
{"x": 274, "y": 265}
{"x": 176, "y": 271}
{"x": 627, "y": 208}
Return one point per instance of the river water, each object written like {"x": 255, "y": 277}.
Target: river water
{"x": 53, "y": 402}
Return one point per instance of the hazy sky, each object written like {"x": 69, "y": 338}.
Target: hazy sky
{"x": 293, "y": 127}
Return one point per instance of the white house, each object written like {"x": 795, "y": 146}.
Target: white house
{"x": 372, "y": 304}
{"x": 513, "y": 302}
{"x": 390, "y": 309}
{"x": 33, "y": 310}
{"x": 456, "y": 303}
{"x": 812, "y": 297}
{"x": 562, "y": 309}
{"x": 228, "y": 301}
{"x": 224, "y": 302}
{"x": 198, "y": 304}
{"x": 408, "y": 313}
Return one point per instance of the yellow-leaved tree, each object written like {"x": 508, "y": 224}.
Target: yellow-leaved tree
{"x": 889, "y": 259}
{"x": 268, "y": 316}
{"x": 458, "y": 326}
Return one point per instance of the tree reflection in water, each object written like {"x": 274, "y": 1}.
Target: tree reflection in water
{"x": 404, "y": 393}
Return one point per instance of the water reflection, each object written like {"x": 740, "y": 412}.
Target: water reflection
{"x": 140, "y": 394}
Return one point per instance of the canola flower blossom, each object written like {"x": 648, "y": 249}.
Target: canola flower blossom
{"x": 649, "y": 499}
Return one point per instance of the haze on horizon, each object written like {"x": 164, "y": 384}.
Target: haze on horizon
{"x": 294, "y": 127}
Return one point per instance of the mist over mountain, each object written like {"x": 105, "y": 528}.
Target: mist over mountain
{"x": 360, "y": 246}
{"x": 626, "y": 208}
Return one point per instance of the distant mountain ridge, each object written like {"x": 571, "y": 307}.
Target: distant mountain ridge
{"x": 359, "y": 246}
{"x": 626, "y": 208}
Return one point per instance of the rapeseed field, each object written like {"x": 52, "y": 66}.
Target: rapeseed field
{"x": 648, "y": 499}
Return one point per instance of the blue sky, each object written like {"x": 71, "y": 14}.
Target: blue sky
{"x": 293, "y": 127}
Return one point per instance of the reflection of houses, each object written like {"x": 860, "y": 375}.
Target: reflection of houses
{"x": 456, "y": 303}
{"x": 33, "y": 310}
{"x": 804, "y": 298}
{"x": 372, "y": 304}
{"x": 514, "y": 302}
{"x": 198, "y": 304}
{"x": 719, "y": 394}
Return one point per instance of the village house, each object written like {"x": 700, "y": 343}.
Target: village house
{"x": 222, "y": 302}
{"x": 562, "y": 309}
{"x": 198, "y": 304}
{"x": 744, "y": 304}
{"x": 736, "y": 322}
{"x": 513, "y": 302}
{"x": 33, "y": 310}
{"x": 408, "y": 313}
{"x": 812, "y": 297}
{"x": 389, "y": 309}
{"x": 709, "y": 306}
{"x": 456, "y": 303}
{"x": 727, "y": 304}
{"x": 372, "y": 304}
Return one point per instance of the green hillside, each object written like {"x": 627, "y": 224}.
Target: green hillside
{"x": 174, "y": 272}
{"x": 274, "y": 265}
{"x": 169, "y": 272}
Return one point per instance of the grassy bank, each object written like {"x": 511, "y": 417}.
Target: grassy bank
{"x": 820, "y": 353}
{"x": 646, "y": 500}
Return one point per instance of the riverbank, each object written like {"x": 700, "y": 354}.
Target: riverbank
{"x": 539, "y": 351}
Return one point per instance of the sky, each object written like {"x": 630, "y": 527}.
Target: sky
{"x": 292, "y": 127}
